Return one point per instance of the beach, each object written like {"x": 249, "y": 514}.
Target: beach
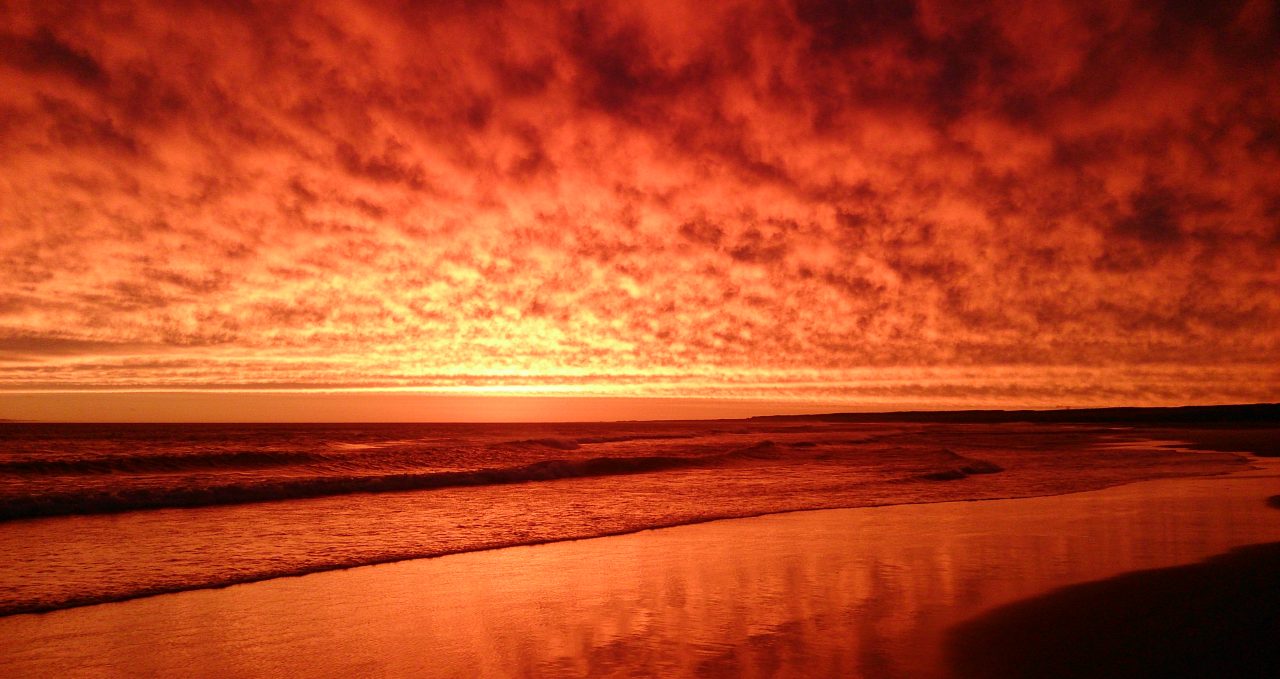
{"x": 530, "y": 338}
{"x": 873, "y": 592}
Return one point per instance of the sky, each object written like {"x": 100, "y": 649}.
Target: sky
{"x": 241, "y": 209}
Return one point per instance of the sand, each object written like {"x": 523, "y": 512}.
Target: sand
{"x": 1216, "y": 618}
{"x": 875, "y": 592}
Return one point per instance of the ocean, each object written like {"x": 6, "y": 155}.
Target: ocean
{"x": 95, "y": 513}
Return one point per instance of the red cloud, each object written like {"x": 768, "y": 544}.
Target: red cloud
{"x": 363, "y": 195}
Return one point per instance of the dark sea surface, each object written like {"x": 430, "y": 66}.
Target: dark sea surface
{"x": 93, "y": 513}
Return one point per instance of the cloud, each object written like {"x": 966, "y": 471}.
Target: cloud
{"x": 374, "y": 191}
{"x": 43, "y": 53}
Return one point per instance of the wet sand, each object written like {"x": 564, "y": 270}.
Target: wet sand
{"x": 876, "y": 592}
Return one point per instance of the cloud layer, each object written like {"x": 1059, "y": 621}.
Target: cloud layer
{"x": 1064, "y": 201}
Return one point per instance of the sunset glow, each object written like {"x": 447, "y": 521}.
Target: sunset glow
{"x": 804, "y": 204}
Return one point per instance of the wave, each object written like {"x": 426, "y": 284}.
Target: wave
{"x": 767, "y": 450}
{"x": 554, "y": 444}
{"x": 161, "y": 462}
{"x": 576, "y": 443}
{"x": 621, "y": 438}
{"x": 762, "y": 455}
{"x": 98, "y": 501}
{"x": 965, "y": 467}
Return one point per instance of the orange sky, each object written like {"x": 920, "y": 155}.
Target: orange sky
{"x": 773, "y": 205}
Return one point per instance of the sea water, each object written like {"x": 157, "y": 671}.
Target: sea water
{"x": 93, "y": 513}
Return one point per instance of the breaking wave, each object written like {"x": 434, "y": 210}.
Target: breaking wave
{"x": 101, "y": 501}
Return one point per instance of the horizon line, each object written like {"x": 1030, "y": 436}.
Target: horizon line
{"x": 854, "y": 415}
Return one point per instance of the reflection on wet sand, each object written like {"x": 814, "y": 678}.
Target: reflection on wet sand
{"x": 862, "y": 592}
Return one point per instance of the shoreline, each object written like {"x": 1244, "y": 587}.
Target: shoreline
{"x": 862, "y": 586}
{"x": 1246, "y": 457}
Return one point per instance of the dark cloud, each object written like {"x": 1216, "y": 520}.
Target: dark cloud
{"x": 618, "y": 71}
{"x": 39, "y": 346}
{"x": 386, "y": 166}
{"x": 1153, "y": 217}
{"x": 44, "y": 53}
{"x": 836, "y": 26}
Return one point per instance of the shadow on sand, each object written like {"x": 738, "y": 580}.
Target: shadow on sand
{"x": 1216, "y": 618}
